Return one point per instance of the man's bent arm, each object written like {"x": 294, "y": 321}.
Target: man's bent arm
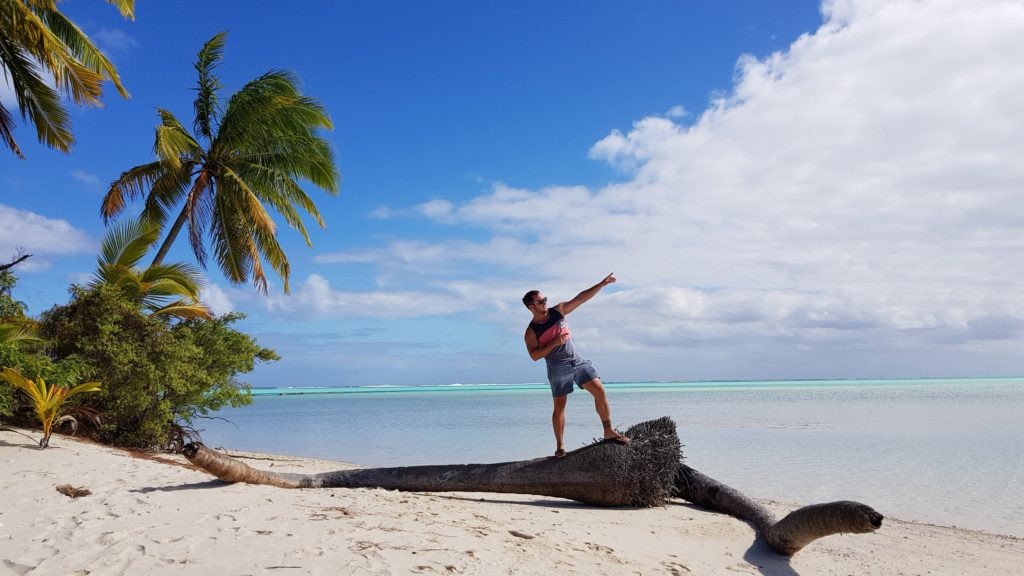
{"x": 567, "y": 307}
{"x": 536, "y": 350}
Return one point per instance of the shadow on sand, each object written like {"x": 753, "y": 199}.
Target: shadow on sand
{"x": 551, "y": 502}
{"x": 760, "y": 556}
{"x": 192, "y": 486}
{"x": 34, "y": 444}
{"x": 768, "y": 561}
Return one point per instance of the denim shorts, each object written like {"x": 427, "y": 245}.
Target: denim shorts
{"x": 562, "y": 377}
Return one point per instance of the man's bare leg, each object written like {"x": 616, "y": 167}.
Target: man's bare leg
{"x": 603, "y": 410}
{"x": 558, "y": 424}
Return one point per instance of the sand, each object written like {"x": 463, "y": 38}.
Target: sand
{"x": 158, "y": 516}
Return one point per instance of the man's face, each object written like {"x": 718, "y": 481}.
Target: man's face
{"x": 539, "y": 304}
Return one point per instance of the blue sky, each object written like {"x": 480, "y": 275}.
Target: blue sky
{"x": 784, "y": 189}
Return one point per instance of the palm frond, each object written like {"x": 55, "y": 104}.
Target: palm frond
{"x": 199, "y": 207}
{"x": 166, "y": 192}
{"x": 86, "y": 387}
{"x": 130, "y": 185}
{"x": 76, "y": 63}
{"x": 177, "y": 279}
{"x": 184, "y": 310}
{"x": 281, "y": 193}
{"x": 172, "y": 142}
{"x": 274, "y": 99}
{"x": 267, "y": 245}
{"x": 37, "y": 101}
{"x": 124, "y": 278}
{"x": 248, "y": 201}
{"x": 279, "y": 188}
{"x": 125, "y": 7}
{"x": 231, "y": 240}
{"x": 7, "y": 131}
{"x": 14, "y": 332}
{"x": 127, "y": 243}
{"x": 207, "y": 86}
{"x": 78, "y": 414}
{"x": 51, "y": 33}
{"x": 303, "y": 156}
{"x": 35, "y": 36}
{"x": 83, "y": 51}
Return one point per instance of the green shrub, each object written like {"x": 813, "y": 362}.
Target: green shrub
{"x": 156, "y": 374}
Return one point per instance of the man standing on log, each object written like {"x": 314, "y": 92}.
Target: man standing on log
{"x": 548, "y": 337}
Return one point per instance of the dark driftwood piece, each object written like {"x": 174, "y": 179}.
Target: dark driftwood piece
{"x": 646, "y": 472}
{"x": 787, "y": 536}
{"x": 72, "y": 492}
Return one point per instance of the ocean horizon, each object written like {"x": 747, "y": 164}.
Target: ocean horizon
{"x": 358, "y": 388}
{"x": 938, "y": 450}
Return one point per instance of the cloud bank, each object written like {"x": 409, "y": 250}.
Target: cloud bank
{"x": 857, "y": 195}
{"x": 40, "y": 236}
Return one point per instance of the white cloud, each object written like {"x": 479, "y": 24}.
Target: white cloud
{"x": 315, "y": 298}
{"x": 861, "y": 190}
{"x": 677, "y": 112}
{"x": 384, "y": 213}
{"x": 348, "y": 257}
{"x": 81, "y": 278}
{"x": 631, "y": 150}
{"x": 217, "y": 299}
{"x": 436, "y": 209}
{"x": 89, "y": 180}
{"x": 114, "y": 40}
{"x": 40, "y": 236}
{"x": 438, "y": 260}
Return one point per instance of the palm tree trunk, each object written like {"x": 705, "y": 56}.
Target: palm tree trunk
{"x": 786, "y": 536}
{"x": 172, "y": 234}
{"x": 646, "y": 472}
{"x": 201, "y": 183}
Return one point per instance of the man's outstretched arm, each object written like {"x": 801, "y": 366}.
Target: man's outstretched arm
{"x": 566, "y": 307}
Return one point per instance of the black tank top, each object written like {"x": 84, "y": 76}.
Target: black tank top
{"x": 552, "y": 328}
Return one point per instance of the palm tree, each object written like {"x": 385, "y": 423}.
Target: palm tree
{"x": 33, "y": 35}
{"x": 48, "y": 401}
{"x": 122, "y": 249}
{"x": 646, "y": 472}
{"x": 235, "y": 163}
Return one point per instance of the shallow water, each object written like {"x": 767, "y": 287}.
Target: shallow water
{"x": 949, "y": 452}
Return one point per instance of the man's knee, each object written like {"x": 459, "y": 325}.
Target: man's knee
{"x": 594, "y": 387}
{"x": 560, "y": 402}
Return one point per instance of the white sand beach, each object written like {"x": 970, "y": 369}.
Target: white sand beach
{"x": 159, "y": 516}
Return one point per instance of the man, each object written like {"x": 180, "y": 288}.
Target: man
{"x": 548, "y": 337}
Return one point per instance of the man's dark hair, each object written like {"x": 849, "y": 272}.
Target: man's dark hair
{"x": 528, "y": 298}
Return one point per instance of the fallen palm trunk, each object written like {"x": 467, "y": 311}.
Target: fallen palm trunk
{"x": 606, "y": 473}
{"x": 786, "y": 536}
{"x": 646, "y": 472}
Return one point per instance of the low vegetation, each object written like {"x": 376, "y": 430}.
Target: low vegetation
{"x": 159, "y": 373}
{"x": 48, "y": 402}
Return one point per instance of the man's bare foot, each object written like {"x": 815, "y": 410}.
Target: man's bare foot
{"x": 560, "y": 453}
{"x": 617, "y": 437}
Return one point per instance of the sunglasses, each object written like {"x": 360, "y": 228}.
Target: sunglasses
{"x": 541, "y": 301}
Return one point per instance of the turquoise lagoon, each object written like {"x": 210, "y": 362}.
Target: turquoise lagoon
{"x": 945, "y": 451}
